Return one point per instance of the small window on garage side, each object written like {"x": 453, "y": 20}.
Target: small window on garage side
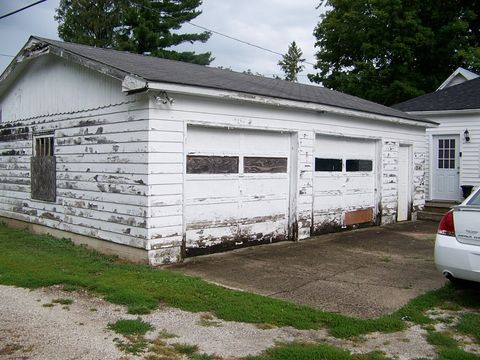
{"x": 253, "y": 164}
{"x": 200, "y": 164}
{"x": 43, "y": 168}
{"x": 326, "y": 164}
{"x": 354, "y": 165}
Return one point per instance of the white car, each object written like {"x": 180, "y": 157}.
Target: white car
{"x": 457, "y": 246}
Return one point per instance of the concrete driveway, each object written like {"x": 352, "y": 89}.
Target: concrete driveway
{"x": 364, "y": 273}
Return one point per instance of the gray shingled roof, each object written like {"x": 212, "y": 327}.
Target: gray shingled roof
{"x": 458, "y": 97}
{"x": 168, "y": 71}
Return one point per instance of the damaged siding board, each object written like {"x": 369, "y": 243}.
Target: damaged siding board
{"x": 101, "y": 164}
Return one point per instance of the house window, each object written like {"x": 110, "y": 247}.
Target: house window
{"x": 446, "y": 154}
{"x": 200, "y": 164}
{"x": 43, "y": 168}
{"x": 264, "y": 164}
{"x": 323, "y": 164}
{"x": 354, "y": 165}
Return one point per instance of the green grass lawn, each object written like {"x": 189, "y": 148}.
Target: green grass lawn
{"x": 33, "y": 261}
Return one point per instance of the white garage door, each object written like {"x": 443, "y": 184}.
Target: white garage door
{"x": 344, "y": 182}
{"x": 236, "y": 188}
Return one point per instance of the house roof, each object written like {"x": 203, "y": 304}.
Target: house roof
{"x": 458, "y": 97}
{"x": 153, "y": 69}
{"x": 458, "y": 76}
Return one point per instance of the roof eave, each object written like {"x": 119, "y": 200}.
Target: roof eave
{"x": 444, "y": 112}
{"x": 273, "y": 101}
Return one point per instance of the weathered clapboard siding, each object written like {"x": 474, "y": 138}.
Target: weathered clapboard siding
{"x": 32, "y": 93}
{"x": 304, "y": 125}
{"x": 101, "y": 149}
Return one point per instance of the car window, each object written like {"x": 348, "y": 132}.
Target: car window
{"x": 475, "y": 200}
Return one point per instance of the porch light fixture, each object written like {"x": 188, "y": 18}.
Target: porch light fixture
{"x": 466, "y": 134}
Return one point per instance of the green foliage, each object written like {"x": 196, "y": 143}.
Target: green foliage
{"x": 34, "y": 261}
{"x": 130, "y": 327}
{"x": 291, "y": 63}
{"x": 89, "y": 22}
{"x": 299, "y": 351}
{"x": 185, "y": 349}
{"x": 457, "y": 354}
{"x": 391, "y": 50}
{"x": 135, "y": 345}
{"x": 138, "y": 26}
{"x": 469, "y": 324}
{"x": 63, "y": 301}
{"x": 441, "y": 339}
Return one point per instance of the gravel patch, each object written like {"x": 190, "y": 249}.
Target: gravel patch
{"x": 34, "y": 324}
{"x": 31, "y": 330}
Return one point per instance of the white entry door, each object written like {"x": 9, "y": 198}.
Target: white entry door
{"x": 404, "y": 192}
{"x": 446, "y": 168}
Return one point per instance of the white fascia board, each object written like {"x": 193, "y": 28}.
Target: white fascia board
{"x": 132, "y": 83}
{"x": 265, "y": 100}
{"x": 445, "y": 112}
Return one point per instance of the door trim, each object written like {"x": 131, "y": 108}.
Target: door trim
{"x": 409, "y": 195}
{"x": 432, "y": 158}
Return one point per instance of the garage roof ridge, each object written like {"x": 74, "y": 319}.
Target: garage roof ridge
{"x": 158, "y": 70}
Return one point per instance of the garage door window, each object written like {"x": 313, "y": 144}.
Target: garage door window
{"x": 354, "y": 165}
{"x": 199, "y": 164}
{"x": 324, "y": 164}
{"x": 264, "y": 164}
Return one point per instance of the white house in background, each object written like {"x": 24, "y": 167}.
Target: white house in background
{"x": 157, "y": 159}
{"x": 457, "y": 77}
{"x": 454, "y": 146}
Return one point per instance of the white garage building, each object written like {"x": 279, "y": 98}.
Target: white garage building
{"x": 157, "y": 159}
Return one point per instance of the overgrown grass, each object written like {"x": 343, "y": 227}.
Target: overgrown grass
{"x": 34, "y": 261}
{"x": 299, "y": 351}
{"x": 469, "y": 324}
{"x": 130, "y": 327}
{"x": 441, "y": 340}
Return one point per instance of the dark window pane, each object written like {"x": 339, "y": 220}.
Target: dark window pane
{"x": 212, "y": 164}
{"x": 440, "y": 164}
{"x": 264, "y": 165}
{"x": 452, "y": 154}
{"x": 440, "y": 144}
{"x": 322, "y": 164}
{"x": 452, "y": 164}
{"x": 452, "y": 143}
{"x": 359, "y": 165}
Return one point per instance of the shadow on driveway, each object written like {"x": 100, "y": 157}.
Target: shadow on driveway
{"x": 363, "y": 273}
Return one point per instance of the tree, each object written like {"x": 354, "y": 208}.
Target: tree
{"x": 291, "y": 63}
{"x": 138, "y": 26}
{"x": 89, "y": 22}
{"x": 391, "y": 50}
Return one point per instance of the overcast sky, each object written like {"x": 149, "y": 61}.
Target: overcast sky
{"x": 272, "y": 24}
